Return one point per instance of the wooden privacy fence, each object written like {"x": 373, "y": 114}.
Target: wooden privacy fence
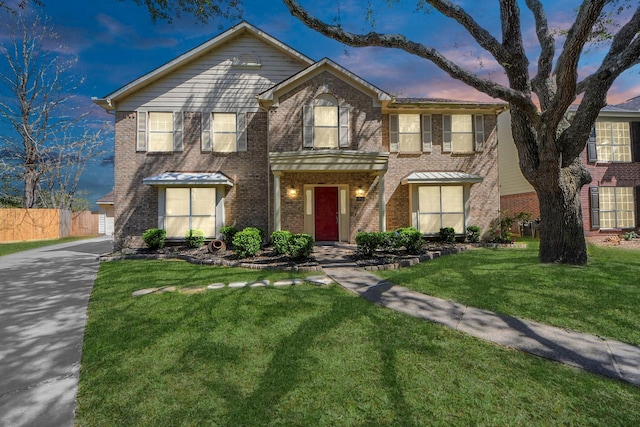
{"x": 40, "y": 224}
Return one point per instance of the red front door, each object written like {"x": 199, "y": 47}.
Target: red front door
{"x": 326, "y": 213}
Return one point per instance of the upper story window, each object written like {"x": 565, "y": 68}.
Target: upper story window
{"x": 224, "y": 132}
{"x": 159, "y": 131}
{"x": 462, "y": 133}
{"x": 610, "y": 142}
{"x": 410, "y": 133}
{"x": 326, "y": 125}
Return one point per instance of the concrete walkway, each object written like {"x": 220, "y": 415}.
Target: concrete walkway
{"x": 602, "y": 356}
{"x": 43, "y": 310}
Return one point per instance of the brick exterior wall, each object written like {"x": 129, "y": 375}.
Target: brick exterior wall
{"x": 484, "y": 197}
{"x": 136, "y": 205}
{"x": 608, "y": 175}
{"x": 525, "y": 202}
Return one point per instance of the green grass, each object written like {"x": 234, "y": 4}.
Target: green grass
{"x": 304, "y": 356}
{"x": 601, "y": 298}
{"x": 10, "y": 248}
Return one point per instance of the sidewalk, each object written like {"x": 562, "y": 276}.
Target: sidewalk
{"x": 602, "y": 356}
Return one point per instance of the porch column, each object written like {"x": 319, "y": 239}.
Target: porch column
{"x": 382, "y": 208}
{"x": 277, "y": 221}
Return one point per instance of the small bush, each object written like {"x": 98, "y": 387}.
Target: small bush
{"x": 195, "y": 238}
{"x": 390, "y": 241}
{"x": 473, "y": 234}
{"x": 154, "y": 238}
{"x": 280, "y": 241}
{"x": 411, "y": 239}
{"x": 368, "y": 242}
{"x": 300, "y": 246}
{"x": 629, "y": 235}
{"x": 228, "y": 233}
{"x": 247, "y": 242}
{"x": 447, "y": 234}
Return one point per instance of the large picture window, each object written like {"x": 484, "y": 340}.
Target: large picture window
{"x": 613, "y": 141}
{"x": 616, "y": 207}
{"x": 160, "y": 131}
{"x": 439, "y": 207}
{"x": 190, "y": 208}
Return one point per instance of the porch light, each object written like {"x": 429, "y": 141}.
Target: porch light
{"x": 360, "y": 194}
{"x": 291, "y": 192}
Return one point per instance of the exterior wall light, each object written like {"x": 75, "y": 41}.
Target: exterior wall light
{"x": 292, "y": 192}
{"x": 360, "y": 194}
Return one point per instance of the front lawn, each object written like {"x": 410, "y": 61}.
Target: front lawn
{"x": 307, "y": 355}
{"x": 601, "y": 298}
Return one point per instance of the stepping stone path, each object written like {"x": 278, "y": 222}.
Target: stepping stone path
{"x": 316, "y": 280}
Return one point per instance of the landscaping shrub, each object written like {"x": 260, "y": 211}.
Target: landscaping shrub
{"x": 390, "y": 241}
{"x": 630, "y": 235}
{"x": 300, "y": 246}
{"x": 448, "y": 234}
{"x": 411, "y": 239}
{"x": 280, "y": 241}
{"x": 195, "y": 238}
{"x": 154, "y": 238}
{"x": 228, "y": 233}
{"x": 473, "y": 234}
{"x": 247, "y": 242}
{"x": 368, "y": 242}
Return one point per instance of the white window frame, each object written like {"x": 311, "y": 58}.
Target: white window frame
{"x": 617, "y": 194}
{"x": 190, "y": 215}
{"x": 417, "y": 214}
{"x": 613, "y": 139}
{"x": 476, "y": 133}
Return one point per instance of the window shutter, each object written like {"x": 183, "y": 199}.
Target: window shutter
{"x": 206, "y": 144}
{"x": 637, "y": 201}
{"x": 426, "y": 133}
{"x": 635, "y": 140}
{"x": 446, "y": 133}
{"x": 592, "y": 151}
{"x": 177, "y": 131}
{"x": 393, "y": 133}
{"x": 479, "y": 131}
{"x": 307, "y": 126}
{"x": 595, "y": 208}
{"x": 241, "y": 129}
{"x": 344, "y": 127}
{"x": 141, "y": 144}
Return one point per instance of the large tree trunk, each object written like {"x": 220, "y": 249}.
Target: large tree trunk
{"x": 30, "y": 197}
{"x": 562, "y": 236}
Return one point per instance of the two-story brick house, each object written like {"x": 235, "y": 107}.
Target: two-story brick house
{"x": 610, "y": 203}
{"x": 245, "y": 131}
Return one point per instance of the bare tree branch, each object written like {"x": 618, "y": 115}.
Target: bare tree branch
{"x": 542, "y": 83}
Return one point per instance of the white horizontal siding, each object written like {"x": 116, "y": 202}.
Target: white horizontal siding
{"x": 511, "y": 179}
{"x": 211, "y": 83}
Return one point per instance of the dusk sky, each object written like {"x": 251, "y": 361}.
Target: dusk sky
{"x": 116, "y": 42}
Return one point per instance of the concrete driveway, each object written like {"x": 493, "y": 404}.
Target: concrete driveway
{"x": 43, "y": 306}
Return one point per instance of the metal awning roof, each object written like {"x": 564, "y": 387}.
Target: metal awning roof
{"x": 191, "y": 179}
{"x": 440, "y": 178}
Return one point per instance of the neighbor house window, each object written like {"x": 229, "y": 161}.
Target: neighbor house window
{"x": 439, "y": 207}
{"x": 612, "y": 207}
{"x": 462, "y": 133}
{"x": 159, "y": 131}
{"x": 410, "y": 133}
{"x": 190, "y": 208}
{"x": 326, "y": 125}
{"x": 612, "y": 142}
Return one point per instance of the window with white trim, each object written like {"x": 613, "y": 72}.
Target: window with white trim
{"x": 613, "y": 141}
{"x": 325, "y": 123}
{"x": 224, "y": 132}
{"x": 190, "y": 208}
{"x": 410, "y": 133}
{"x": 439, "y": 206}
{"x": 159, "y": 131}
{"x": 462, "y": 133}
{"x": 612, "y": 207}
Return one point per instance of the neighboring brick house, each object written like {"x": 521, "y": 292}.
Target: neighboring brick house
{"x": 245, "y": 131}
{"x": 610, "y": 203}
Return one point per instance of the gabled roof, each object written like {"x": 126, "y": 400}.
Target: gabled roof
{"x": 243, "y": 27}
{"x": 271, "y": 96}
{"x": 107, "y": 199}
